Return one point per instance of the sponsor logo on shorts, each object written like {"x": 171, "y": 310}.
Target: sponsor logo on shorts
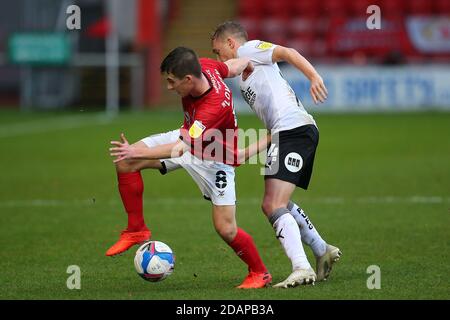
{"x": 221, "y": 179}
{"x": 272, "y": 155}
{"x": 293, "y": 162}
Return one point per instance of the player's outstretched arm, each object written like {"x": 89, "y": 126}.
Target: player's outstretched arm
{"x": 124, "y": 151}
{"x": 318, "y": 90}
{"x": 255, "y": 148}
{"x": 238, "y": 65}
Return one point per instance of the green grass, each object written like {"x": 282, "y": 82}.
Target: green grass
{"x": 380, "y": 191}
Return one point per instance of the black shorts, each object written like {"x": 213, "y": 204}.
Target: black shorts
{"x": 290, "y": 157}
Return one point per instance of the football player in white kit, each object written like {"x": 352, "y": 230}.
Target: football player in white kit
{"x": 290, "y": 157}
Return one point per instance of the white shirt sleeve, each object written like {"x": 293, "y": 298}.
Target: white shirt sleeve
{"x": 260, "y": 52}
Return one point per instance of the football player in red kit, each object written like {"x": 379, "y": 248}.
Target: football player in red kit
{"x": 205, "y": 146}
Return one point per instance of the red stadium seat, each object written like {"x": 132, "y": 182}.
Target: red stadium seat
{"x": 322, "y": 25}
{"x": 303, "y": 44}
{"x": 250, "y": 8}
{"x": 394, "y": 9}
{"x": 276, "y": 8}
{"x": 419, "y": 7}
{"x": 252, "y": 26}
{"x": 336, "y": 24}
{"x": 305, "y": 8}
{"x": 441, "y": 7}
{"x": 302, "y": 25}
{"x": 278, "y": 38}
{"x": 334, "y": 8}
{"x": 275, "y": 27}
{"x": 358, "y": 8}
{"x": 319, "y": 47}
{"x": 315, "y": 27}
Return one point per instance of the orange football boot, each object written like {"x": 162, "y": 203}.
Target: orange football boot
{"x": 256, "y": 280}
{"x": 127, "y": 240}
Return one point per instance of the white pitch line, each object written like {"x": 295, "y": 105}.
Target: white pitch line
{"x": 52, "y": 124}
{"x": 244, "y": 201}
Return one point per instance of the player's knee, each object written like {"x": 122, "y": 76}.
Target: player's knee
{"x": 267, "y": 206}
{"x": 125, "y": 167}
{"x": 122, "y": 167}
{"x": 227, "y": 232}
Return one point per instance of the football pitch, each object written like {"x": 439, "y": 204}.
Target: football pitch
{"x": 380, "y": 191}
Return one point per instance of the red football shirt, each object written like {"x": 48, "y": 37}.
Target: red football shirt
{"x": 210, "y": 125}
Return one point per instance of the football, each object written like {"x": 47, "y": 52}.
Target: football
{"x": 154, "y": 261}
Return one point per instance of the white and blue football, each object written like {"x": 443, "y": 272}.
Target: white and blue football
{"x": 154, "y": 261}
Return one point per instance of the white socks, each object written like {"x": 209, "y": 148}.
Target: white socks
{"x": 288, "y": 233}
{"x": 309, "y": 234}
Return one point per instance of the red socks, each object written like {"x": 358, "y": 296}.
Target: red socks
{"x": 131, "y": 188}
{"x": 245, "y": 248}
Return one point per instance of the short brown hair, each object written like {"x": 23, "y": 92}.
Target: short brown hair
{"x": 182, "y": 61}
{"x": 232, "y": 28}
